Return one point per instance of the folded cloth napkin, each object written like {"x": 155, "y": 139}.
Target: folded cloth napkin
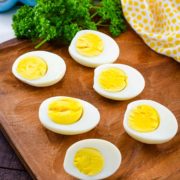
{"x": 157, "y": 22}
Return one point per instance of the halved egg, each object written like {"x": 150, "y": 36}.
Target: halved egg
{"x": 39, "y": 68}
{"x": 150, "y": 122}
{"x": 93, "y": 48}
{"x": 118, "y": 81}
{"x": 92, "y": 159}
{"x": 67, "y": 115}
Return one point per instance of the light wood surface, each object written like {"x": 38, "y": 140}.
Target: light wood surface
{"x": 42, "y": 151}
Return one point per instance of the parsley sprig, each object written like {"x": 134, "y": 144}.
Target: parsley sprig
{"x": 60, "y": 19}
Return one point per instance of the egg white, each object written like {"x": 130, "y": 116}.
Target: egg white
{"x": 135, "y": 83}
{"x": 110, "y": 152}
{"x": 89, "y": 119}
{"x": 109, "y": 55}
{"x": 166, "y": 130}
{"x": 55, "y": 72}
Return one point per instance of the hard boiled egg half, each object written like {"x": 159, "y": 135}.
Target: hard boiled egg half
{"x": 67, "y": 115}
{"x": 92, "y": 48}
{"x": 92, "y": 159}
{"x": 118, "y": 81}
{"x": 39, "y": 68}
{"x": 150, "y": 122}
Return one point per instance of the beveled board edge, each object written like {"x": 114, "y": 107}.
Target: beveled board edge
{"x": 11, "y": 143}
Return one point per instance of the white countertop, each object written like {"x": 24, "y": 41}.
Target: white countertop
{"x": 6, "y": 31}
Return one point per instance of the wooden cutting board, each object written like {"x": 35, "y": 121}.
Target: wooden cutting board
{"x": 42, "y": 151}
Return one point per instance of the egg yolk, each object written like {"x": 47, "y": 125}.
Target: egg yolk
{"x": 89, "y": 44}
{"x": 144, "y": 118}
{"x": 65, "y": 111}
{"x": 89, "y": 161}
{"x": 112, "y": 79}
{"x": 32, "y": 67}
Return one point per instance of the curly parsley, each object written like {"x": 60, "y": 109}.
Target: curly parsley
{"x": 59, "y": 19}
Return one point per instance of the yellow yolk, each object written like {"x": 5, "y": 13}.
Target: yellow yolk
{"x": 89, "y": 44}
{"x": 32, "y": 67}
{"x": 89, "y": 161}
{"x": 144, "y": 118}
{"x": 112, "y": 79}
{"x": 65, "y": 111}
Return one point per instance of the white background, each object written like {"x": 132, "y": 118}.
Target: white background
{"x": 6, "y": 31}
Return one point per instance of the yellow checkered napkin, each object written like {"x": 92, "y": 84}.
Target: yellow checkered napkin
{"x": 157, "y": 22}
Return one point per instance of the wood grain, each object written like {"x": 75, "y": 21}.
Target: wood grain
{"x": 8, "y": 158}
{"x": 6, "y": 174}
{"x": 43, "y": 151}
{"x": 10, "y": 166}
